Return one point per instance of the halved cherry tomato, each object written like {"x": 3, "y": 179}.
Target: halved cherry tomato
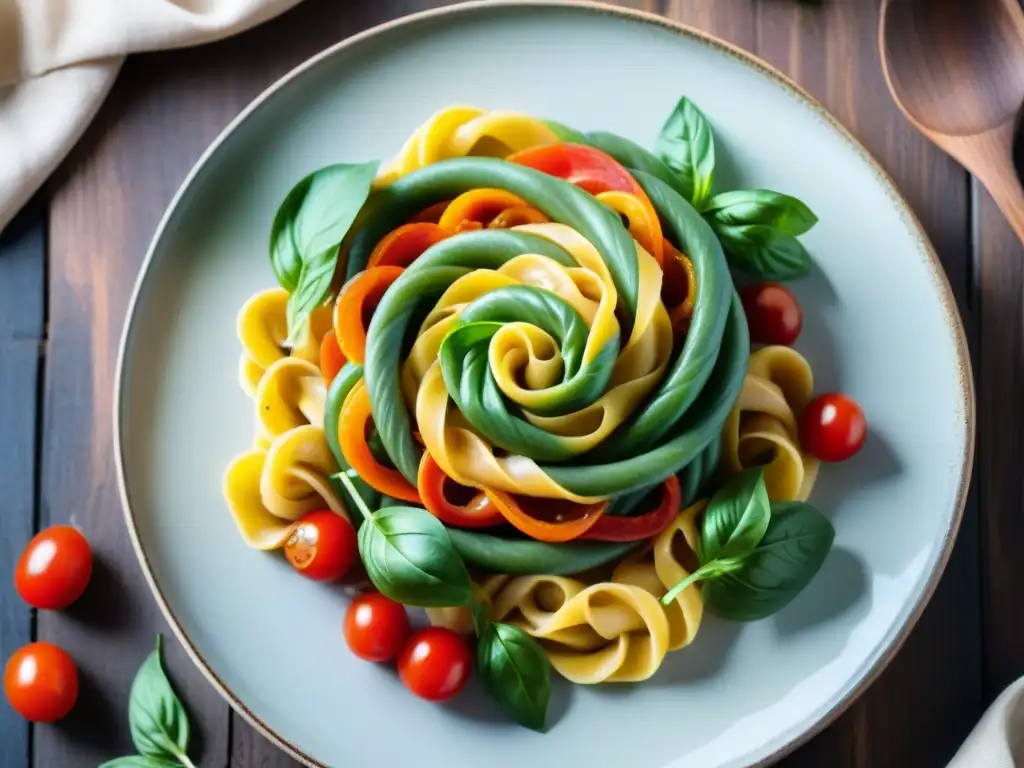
{"x": 323, "y": 546}
{"x": 331, "y": 358}
{"x": 355, "y": 306}
{"x": 376, "y": 627}
{"x": 54, "y": 569}
{"x": 833, "y": 427}
{"x": 547, "y": 519}
{"x": 643, "y": 526}
{"x": 41, "y": 682}
{"x": 435, "y": 664}
{"x": 773, "y": 314}
{"x": 402, "y": 246}
{"x": 355, "y": 418}
{"x": 452, "y": 503}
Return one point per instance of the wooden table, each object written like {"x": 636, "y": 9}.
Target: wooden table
{"x": 68, "y": 263}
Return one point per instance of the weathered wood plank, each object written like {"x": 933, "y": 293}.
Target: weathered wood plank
{"x": 1000, "y": 442}
{"x": 22, "y": 339}
{"x": 906, "y": 718}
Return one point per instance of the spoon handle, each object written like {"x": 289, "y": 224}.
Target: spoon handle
{"x": 1005, "y": 188}
{"x": 991, "y": 160}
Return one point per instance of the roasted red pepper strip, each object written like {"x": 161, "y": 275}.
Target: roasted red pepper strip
{"x": 596, "y": 172}
{"x": 331, "y": 358}
{"x": 548, "y": 519}
{"x": 437, "y": 489}
{"x": 643, "y": 526}
{"x": 355, "y": 306}
{"x": 353, "y": 423}
{"x": 401, "y": 247}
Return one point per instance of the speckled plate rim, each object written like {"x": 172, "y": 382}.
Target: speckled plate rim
{"x": 952, "y": 317}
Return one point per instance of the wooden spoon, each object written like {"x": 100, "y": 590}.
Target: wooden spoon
{"x": 956, "y": 70}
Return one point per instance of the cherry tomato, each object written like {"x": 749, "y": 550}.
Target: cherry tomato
{"x": 41, "y": 682}
{"x": 323, "y": 546}
{"x": 54, "y": 569}
{"x": 331, "y": 358}
{"x": 833, "y": 427}
{"x": 773, "y": 313}
{"x": 435, "y": 664}
{"x": 376, "y": 627}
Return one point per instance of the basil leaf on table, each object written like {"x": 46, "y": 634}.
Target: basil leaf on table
{"x": 763, "y": 251}
{"x": 686, "y": 144}
{"x": 410, "y": 558}
{"x": 138, "y": 761}
{"x": 760, "y": 206}
{"x": 736, "y": 517}
{"x": 516, "y": 673}
{"x": 307, "y": 230}
{"x": 792, "y": 551}
{"x": 158, "y": 721}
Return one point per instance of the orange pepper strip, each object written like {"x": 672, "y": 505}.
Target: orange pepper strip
{"x": 431, "y": 214}
{"x": 517, "y": 216}
{"x": 553, "y": 520}
{"x": 331, "y": 358}
{"x": 354, "y": 308}
{"x": 402, "y": 246}
{"x": 452, "y": 503}
{"x": 480, "y": 205}
{"x": 353, "y": 421}
{"x": 679, "y": 289}
{"x": 644, "y": 225}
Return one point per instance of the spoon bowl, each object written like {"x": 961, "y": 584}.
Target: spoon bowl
{"x": 956, "y": 71}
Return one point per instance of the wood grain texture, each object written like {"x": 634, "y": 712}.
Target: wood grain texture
{"x": 164, "y": 111}
{"x": 22, "y": 335}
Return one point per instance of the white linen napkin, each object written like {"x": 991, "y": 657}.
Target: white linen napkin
{"x": 58, "y": 59}
{"x": 998, "y": 740}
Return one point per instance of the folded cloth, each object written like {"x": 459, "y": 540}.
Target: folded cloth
{"x": 998, "y": 740}
{"x": 59, "y": 58}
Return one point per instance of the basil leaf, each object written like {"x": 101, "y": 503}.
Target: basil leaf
{"x": 736, "y": 517}
{"x": 410, "y": 558}
{"x": 138, "y": 761}
{"x": 763, "y": 251}
{"x": 313, "y": 288}
{"x": 686, "y": 144}
{"x": 481, "y": 618}
{"x": 308, "y": 228}
{"x": 792, "y": 551}
{"x": 516, "y": 673}
{"x": 158, "y": 721}
{"x": 708, "y": 571}
{"x": 761, "y": 206}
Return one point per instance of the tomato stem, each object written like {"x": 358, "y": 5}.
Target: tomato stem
{"x": 345, "y": 480}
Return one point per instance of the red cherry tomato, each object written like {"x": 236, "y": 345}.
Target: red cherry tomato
{"x": 833, "y": 427}
{"x": 41, "y": 682}
{"x": 435, "y": 664}
{"x": 323, "y": 546}
{"x": 376, "y": 627}
{"x": 54, "y": 569}
{"x": 773, "y": 314}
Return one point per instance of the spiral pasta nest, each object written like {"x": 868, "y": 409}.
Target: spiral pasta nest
{"x": 562, "y": 341}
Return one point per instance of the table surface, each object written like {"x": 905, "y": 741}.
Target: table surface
{"x": 67, "y": 266}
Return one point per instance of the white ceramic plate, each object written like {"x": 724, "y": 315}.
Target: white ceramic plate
{"x": 880, "y": 325}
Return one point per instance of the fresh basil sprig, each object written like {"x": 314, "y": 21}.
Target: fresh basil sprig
{"x": 755, "y": 557}
{"x": 762, "y": 207}
{"x": 409, "y": 556}
{"x": 158, "y": 720}
{"x": 686, "y": 144}
{"x": 307, "y": 232}
{"x": 515, "y": 672}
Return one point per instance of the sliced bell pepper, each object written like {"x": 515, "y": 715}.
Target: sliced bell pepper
{"x": 517, "y": 216}
{"x": 431, "y": 214}
{"x": 478, "y": 205}
{"x": 452, "y": 503}
{"x": 354, "y": 423}
{"x": 402, "y": 246}
{"x": 640, "y": 527}
{"x": 548, "y": 519}
{"x": 331, "y": 358}
{"x": 597, "y": 173}
{"x": 355, "y": 306}
{"x": 679, "y": 287}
